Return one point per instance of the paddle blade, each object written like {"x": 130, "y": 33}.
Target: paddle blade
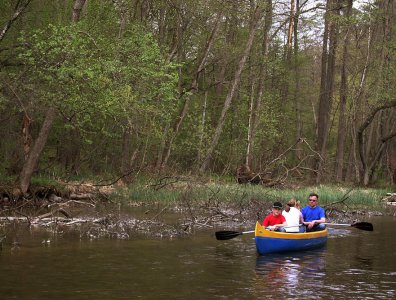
{"x": 226, "y": 234}
{"x": 363, "y": 226}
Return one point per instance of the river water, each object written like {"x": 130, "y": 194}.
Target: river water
{"x": 354, "y": 264}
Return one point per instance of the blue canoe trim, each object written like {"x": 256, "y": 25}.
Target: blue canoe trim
{"x": 277, "y": 242}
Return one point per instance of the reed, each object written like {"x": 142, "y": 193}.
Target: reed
{"x": 329, "y": 195}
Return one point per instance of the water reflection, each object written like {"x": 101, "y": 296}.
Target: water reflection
{"x": 291, "y": 274}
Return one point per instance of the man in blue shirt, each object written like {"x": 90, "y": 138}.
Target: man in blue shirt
{"x": 313, "y": 214}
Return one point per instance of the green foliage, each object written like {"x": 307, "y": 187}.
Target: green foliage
{"x": 107, "y": 80}
{"x": 100, "y": 78}
{"x": 96, "y": 81}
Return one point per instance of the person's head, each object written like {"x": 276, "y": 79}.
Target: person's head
{"x": 298, "y": 206}
{"x": 292, "y": 202}
{"x": 313, "y": 199}
{"x": 277, "y": 208}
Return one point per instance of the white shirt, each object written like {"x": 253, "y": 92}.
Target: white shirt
{"x": 292, "y": 219}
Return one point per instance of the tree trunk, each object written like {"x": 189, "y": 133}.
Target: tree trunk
{"x": 324, "y": 106}
{"x": 231, "y": 92}
{"x": 20, "y": 7}
{"x": 368, "y": 168}
{"x": 297, "y": 100}
{"x": 26, "y": 135}
{"x": 391, "y": 161}
{"x": 330, "y": 38}
{"x": 368, "y": 172}
{"x": 341, "y": 135}
{"x": 126, "y": 151}
{"x": 203, "y": 124}
{"x": 34, "y": 155}
{"x": 77, "y": 7}
{"x": 255, "y": 108}
{"x": 248, "y": 158}
{"x": 291, "y": 30}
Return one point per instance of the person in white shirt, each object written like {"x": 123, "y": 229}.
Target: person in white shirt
{"x": 293, "y": 217}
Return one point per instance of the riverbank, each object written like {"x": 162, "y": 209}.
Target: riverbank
{"x": 177, "y": 207}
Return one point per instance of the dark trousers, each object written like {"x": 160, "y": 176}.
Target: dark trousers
{"x": 317, "y": 227}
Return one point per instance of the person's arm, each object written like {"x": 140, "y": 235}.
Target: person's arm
{"x": 321, "y": 219}
{"x": 281, "y": 225}
{"x": 301, "y": 218}
{"x": 314, "y": 222}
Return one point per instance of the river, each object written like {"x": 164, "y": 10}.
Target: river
{"x": 355, "y": 264}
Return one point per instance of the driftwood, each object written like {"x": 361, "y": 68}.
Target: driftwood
{"x": 276, "y": 172}
{"x": 245, "y": 175}
{"x": 72, "y": 202}
{"x": 390, "y": 199}
{"x": 42, "y": 220}
{"x": 52, "y": 213}
{"x": 86, "y": 196}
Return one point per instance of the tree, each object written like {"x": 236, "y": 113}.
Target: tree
{"x": 166, "y": 149}
{"x": 341, "y": 135}
{"x": 369, "y": 167}
{"x": 19, "y": 8}
{"x": 255, "y": 20}
{"x": 33, "y": 155}
{"x": 97, "y": 84}
{"x": 256, "y": 100}
{"x": 330, "y": 41}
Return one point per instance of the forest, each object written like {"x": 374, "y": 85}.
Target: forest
{"x": 264, "y": 91}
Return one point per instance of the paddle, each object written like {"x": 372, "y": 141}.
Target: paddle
{"x": 359, "y": 225}
{"x": 228, "y": 234}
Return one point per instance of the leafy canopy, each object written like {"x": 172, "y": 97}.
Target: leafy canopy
{"x": 93, "y": 78}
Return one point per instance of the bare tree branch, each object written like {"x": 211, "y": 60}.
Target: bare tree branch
{"x": 18, "y": 10}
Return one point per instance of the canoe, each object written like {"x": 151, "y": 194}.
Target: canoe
{"x": 276, "y": 242}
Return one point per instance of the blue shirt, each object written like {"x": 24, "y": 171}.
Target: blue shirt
{"x": 310, "y": 214}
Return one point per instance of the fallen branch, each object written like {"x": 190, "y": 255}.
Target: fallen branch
{"x": 153, "y": 218}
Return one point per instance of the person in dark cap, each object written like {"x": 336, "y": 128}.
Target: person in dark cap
{"x": 275, "y": 221}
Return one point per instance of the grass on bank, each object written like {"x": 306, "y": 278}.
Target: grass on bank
{"x": 147, "y": 190}
{"x": 339, "y": 196}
